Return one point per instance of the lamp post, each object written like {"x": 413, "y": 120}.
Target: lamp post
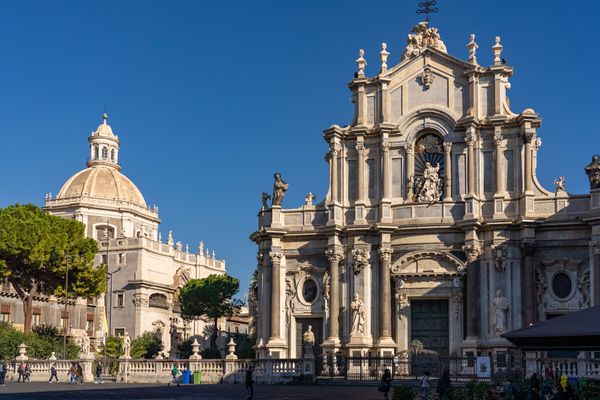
{"x": 109, "y": 276}
{"x": 67, "y": 258}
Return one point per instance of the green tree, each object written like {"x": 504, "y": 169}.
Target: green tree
{"x": 148, "y": 345}
{"x": 113, "y": 347}
{"x": 37, "y": 250}
{"x": 210, "y": 298}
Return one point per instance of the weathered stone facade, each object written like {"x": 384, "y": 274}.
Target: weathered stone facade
{"x": 434, "y": 219}
{"x": 144, "y": 272}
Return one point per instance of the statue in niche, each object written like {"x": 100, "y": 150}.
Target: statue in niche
{"x": 429, "y": 191}
{"x": 499, "y": 313}
{"x": 290, "y": 292}
{"x": 358, "y": 315}
{"x": 541, "y": 284}
{"x": 309, "y": 340}
{"x": 279, "y": 189}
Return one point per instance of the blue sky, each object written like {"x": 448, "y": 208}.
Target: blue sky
{"x": 210, "y": 98}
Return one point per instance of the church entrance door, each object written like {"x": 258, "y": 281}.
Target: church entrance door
{"x": 429, "y": 325}
{"x": 301, "y": 327}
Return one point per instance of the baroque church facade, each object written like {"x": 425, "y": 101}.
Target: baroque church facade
{"x": 145, "y": 272}
{"x": 434, "y": 228}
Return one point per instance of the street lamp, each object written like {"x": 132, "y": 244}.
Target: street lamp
{"x": 67, "y": 259}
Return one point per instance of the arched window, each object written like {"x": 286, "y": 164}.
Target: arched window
{"x": 158, "y": 300}
{"x": 427, "y": 185}
{"x": 104, "y": 153}
{"x": 112, "y": 155}
{"x": 95, "y": 152}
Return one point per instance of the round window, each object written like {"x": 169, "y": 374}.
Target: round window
{"x": 562, "y": 285}
{"x": 309, "y": 290}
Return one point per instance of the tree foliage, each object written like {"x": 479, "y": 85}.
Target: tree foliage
{"x": 148, "y": 345}
{"x": 113, "y": 347}
{"x": 37, "y": 250}
{"x": 39, "y": 345}
{"x": 210, "y": 298}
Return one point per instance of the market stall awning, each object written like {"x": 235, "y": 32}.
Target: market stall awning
{"x": 579, "y": 330}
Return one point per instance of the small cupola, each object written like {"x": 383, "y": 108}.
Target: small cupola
{"x": 104, "y": 146}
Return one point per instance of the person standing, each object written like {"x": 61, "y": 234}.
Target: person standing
{"x": 3, "y": 372}
{"x": 79, "y": 371}
{"x": 53, "y": 374}
{"x": 27, "y": 373}
{"x": 425, "y": 385}
{"x": 98, "y": 373}
{"x": 386, "y": 383}
{"x": 72, "y": 374}
{"x": 444, "y": 386}
{"x": 249, "y": 383}
{"x": 534, "y": 387}
{"x": 175, "y": 373}
{"x": 21, "y": 371}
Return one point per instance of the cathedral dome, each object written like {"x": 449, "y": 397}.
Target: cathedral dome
{"x": 102, "y": 182}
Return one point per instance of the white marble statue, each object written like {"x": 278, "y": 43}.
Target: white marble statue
{"x": 126, "y": 346}
{"x": 430, "y": 191}
{"x": 85, "y": 345}
{"x": 358, "y": 315}
{"x": 309, "y": 340}
{"x": 499, "y": 313}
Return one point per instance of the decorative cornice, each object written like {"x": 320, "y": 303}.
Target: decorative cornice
{"x": 428, "y": 254}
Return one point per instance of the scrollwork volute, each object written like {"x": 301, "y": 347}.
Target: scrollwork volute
{"x": 360, "y": 149}
{"x": 583, "y": 285}
{"x": 360, "y": 260}
{"x": 595, "y": 246}
{"x": 276, "y": 257}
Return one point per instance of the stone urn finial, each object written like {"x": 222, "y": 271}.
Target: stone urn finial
{"x": 195, "y": 351}
{"x": 231, "y": 349}
{"x": 52, "y": 356}
{"x": 22, "y": 352}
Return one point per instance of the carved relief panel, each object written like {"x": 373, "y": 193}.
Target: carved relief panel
{"x": 562, "y": 285}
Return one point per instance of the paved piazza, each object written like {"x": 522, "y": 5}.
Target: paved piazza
{"x": 47, "y": 391}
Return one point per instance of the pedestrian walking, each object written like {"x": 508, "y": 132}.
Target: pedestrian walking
{"x": 27, "y": 373}
{"x": 425, "y": 385}
{"x": 386, "y": 383}
{"x": 72, "y": 374}
{"x": 444, "y": 386}
{"x": 21, "y": 371}
{"x": 175, "y": 374}
{"x": 79, "y": 371}
{"x": 53, "y": 374}
{"x": 249, "y": 383}
{"x": 99, "y": 374}
{"x": 3, "y": 372}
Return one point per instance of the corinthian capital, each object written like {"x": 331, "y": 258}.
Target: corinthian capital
{"x": 595, "y": 245}
{"x": 409, "y": 148}
{"x": 385, "y": 253}
{"x": 334, "y": 255}
{"x": 275, "y": 257}
{"x": 473, "y": 251}
{"x": 334, "y": 149}
{"x": 447, "y": 147}
{"x": 471, "y": 138}
{"x": 385, "y": 146}
{"x": 498, "y": 139}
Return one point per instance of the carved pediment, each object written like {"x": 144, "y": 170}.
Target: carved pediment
{"x": 428, "y": 263}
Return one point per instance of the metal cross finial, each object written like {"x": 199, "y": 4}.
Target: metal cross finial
{"x": 426, "y": 7}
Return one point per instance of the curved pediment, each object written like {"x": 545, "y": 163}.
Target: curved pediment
{"x": 428, "y": 263}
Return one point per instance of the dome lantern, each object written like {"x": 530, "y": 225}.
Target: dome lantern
{"x": 104, "y": 146}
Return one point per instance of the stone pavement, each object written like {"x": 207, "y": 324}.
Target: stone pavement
{"x": 120, "y": 391}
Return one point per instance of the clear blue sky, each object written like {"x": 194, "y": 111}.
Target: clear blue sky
{"x": 210, "y": 98}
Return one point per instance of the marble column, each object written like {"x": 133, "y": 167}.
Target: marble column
{"x": 275, "y": 293}
{"x": 385, "y": 295}
{"x": 528, "y": 283}
{"x": 448, "y": 171}
{"x": 410, "y": 171}
{"x": 266, "y": 294}
{"x": 471, "y": 159}
{"x": 595, "y": 245}
{"x": 334, "y": 256}
{"x": 500, "y": 185}
{"x": 473, "y": 251}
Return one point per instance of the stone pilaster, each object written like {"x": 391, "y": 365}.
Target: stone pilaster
{"x": 359, "y": 208}
{"x": 595, "y": 247}
{"x": 334, "y": 256}
{"x": 276, "y": 344}
{"x": 385, "y": 208}
{"x": 500, "y": 170}
{"x": 528, "y": 283}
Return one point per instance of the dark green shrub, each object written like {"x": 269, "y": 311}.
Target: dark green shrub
{"x": 148, "y": 345}
{"x": 211, "y": 354}
{"x": 403, "y": 393}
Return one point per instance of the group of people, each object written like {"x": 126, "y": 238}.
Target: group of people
{"x": 24, "y": 371}
{"x": 562, "y": 387}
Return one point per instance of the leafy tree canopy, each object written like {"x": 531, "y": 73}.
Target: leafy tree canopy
{"x": 148, "y": 345}
{"x": 37, "y": 250}
{"x": 210, "y": 298}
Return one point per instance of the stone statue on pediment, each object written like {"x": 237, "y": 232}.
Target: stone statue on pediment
{"x": 422, "y": 36}
{"x": 279, "y": 189}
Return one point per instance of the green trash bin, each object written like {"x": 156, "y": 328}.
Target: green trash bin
{"x": 197, "y": 377}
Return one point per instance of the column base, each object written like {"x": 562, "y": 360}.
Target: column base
{"x": 386, "y": 347}
{"x": 277, "y": 347}
{"x": 499, "y": 207}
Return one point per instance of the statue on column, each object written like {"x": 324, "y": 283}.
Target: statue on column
{"x": 309, "y": 341}
{"x": 499, "y": 313}
{"x": 358, "y": 315}
{"x": 85, "y": 345}
{"x": 279, "y": 189}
